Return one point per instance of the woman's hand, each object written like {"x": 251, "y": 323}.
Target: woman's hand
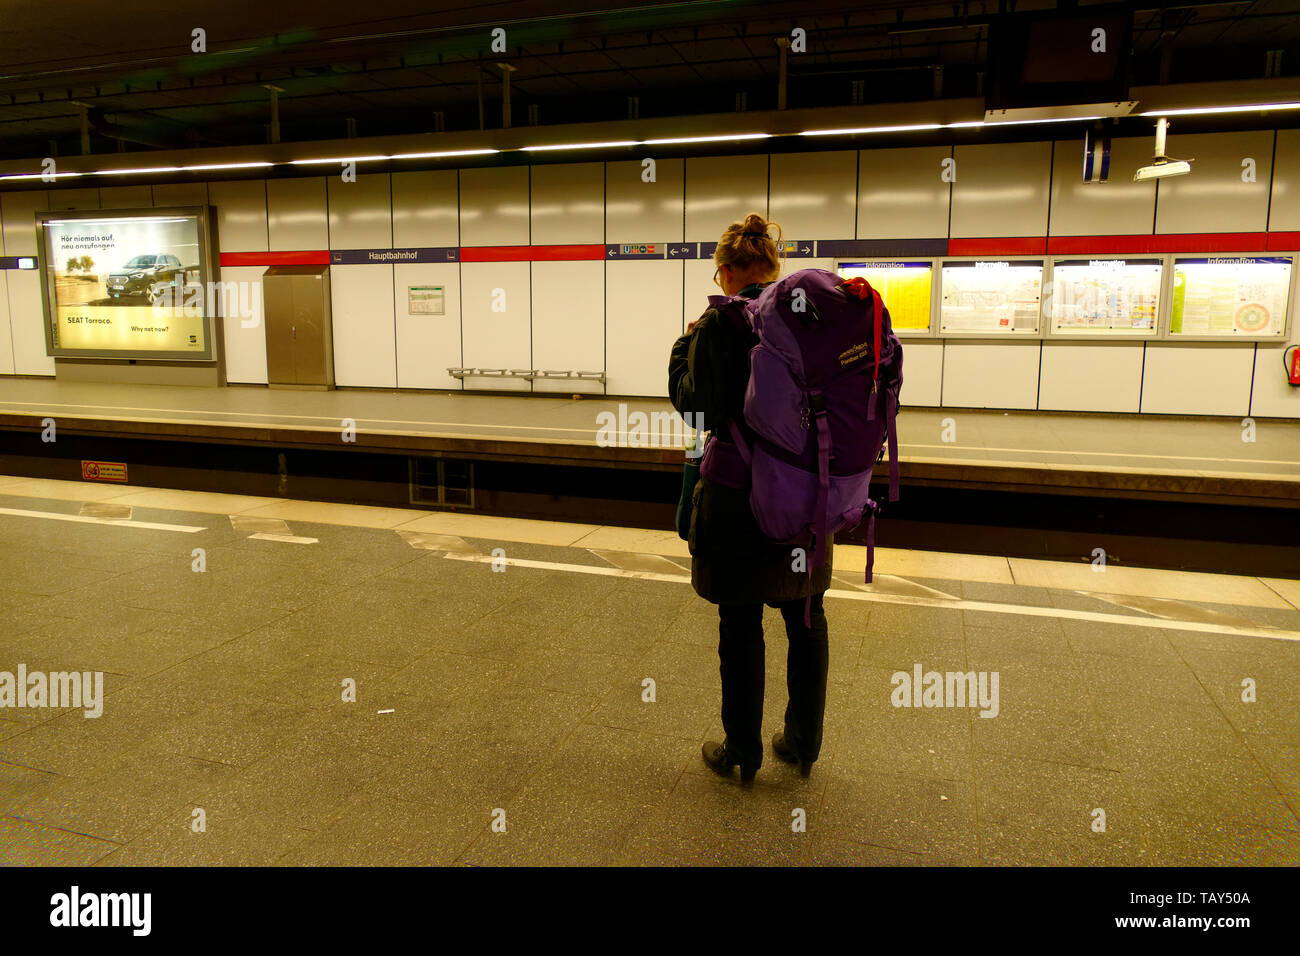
{"x": 690, "y": 326}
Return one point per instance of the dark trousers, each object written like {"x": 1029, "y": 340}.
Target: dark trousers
{"x": 740, "y": 651}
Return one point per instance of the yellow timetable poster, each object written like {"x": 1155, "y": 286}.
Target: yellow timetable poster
{"x": 905, "y": 287}
{"x": 1230, "y": 295}
{"x": 1105, "y": 294}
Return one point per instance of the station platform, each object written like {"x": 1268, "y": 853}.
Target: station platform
{"x": 1181, "y": 459}
{"x": 500, "y": 668}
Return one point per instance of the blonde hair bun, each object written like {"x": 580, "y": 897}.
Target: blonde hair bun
{"x": 745, "y": 245}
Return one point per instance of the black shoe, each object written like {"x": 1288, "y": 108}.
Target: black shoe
{"x": 783, "y": 752}
{"x": 721, "y": 762}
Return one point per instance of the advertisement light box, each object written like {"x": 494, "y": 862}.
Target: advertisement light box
{"x": 1230, "y": 296}
{"x": 130, "y": 284}
{"x": 991, "y": 297}
{"x": 1105, "y": 295}
{"x": 905, "y": 287}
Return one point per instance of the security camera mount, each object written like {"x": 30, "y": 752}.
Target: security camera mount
{"x": 1161, "y": 165}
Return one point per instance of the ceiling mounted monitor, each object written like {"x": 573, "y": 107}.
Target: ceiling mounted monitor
{"x": 1057, "y": 58}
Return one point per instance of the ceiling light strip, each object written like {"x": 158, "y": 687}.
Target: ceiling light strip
{"x": 666, "y": 141}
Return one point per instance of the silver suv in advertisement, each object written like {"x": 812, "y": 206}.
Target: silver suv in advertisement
{"x": 147, "y": 276}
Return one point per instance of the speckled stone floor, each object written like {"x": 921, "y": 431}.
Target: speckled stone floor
{"x": 499, "y": 716}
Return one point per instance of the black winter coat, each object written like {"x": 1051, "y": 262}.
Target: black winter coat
{"x": 732, "y": 562}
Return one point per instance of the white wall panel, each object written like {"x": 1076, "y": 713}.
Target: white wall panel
{"x": 643, "y": 309}
{"x": 494, "y": 207}
{"x": 569, "y": 322}
{"x": 426, "y": 209}
{"x": 721, "y": 190}
{"x": 365, "y": 346}
{"x": 182, "y": 194}
{"x": 698, "y": 283}
{"x": 901, "y": 194}
{"x": 1197, "y": 379}
{"x": 1284, "y": 213}
{"x": 360, "y": 214}
{"x": 427, "y": 345}
{"x": 87, "y": 198}
{"x": 1079, "y": 377}
{"x": 496, "y": 339}
{"x": 989, "y": 374}
{"x": 814, "y": 195}
{"x": 1118, "y": 206}
{"x": 18, "y": 221}
{"x": 125, "y": 197}
{"x": 1001, "y": 189}
{"x": 639, "y": 211}
{"x": 241, "y": 215}
{"x": 6, "y": 342}
{"x": 1213, "y": 198}
{"x": 296, "y": 217}
{"x": 568, "y": 204}
{"x": 245, "y": 347}
{"x": 27, "y": 324}
{"x": 922, "y": 373}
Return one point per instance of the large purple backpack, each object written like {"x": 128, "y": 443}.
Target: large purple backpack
{"x": 821, "y": 400}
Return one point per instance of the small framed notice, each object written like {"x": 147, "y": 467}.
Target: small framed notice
{"x": 426, "y": 300}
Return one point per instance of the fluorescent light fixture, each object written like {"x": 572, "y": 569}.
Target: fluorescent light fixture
{"x": 705, "y": 139}
{"x": 1256, "y": 107}
{"x": 40, "y": 176}
{"x": 445, "y": 153}
{"x": 131, "y": 172}
{"x": 870, "y": 129}
{"x": 336, "y": 159}
{"x": 542, "y": 149}
{"x": 226, "y": 166}
{"x": 965, "y": 124}
{"x": 1025, "y": 122}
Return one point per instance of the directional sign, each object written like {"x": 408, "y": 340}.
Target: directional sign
{"x": 797, "y": 248}
{"x": 682, "y": 250}
{"x": 635, "y": 250}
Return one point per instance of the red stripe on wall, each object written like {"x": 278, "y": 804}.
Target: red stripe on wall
{"x": 1015, "y": 246}
{"x": 1180, "y": 242}
{"x": 311, "y": 257}
{"x": 1283, "y": 241}
{"x": 530, "y": 253}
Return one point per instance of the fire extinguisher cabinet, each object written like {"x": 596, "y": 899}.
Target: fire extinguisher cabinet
{"x": 299, "y": 339}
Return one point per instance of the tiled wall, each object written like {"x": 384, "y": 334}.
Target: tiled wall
{"x": 620, "y": 317}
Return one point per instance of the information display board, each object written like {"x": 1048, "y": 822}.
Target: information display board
{"x": 127, "y": 284}
{"x": 991, "y": 297}
{"x": 426, "y": 300}
{"x": 1242, "y": 296}
{"x": 905, "y": 287}
{"x": 1105, "y": 295}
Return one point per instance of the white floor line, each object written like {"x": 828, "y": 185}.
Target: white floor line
{"x": 119, "y": 522}
{"x": 290, "y": 538}
{"x": 956, "y": 605}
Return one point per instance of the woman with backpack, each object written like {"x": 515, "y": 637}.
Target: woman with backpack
{"x": 733, "y": 565}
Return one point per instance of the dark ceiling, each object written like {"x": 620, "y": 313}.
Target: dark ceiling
{"x": 410, "y": 68}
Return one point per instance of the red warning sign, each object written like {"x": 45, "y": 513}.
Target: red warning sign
{"x": 103, "y": 470}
